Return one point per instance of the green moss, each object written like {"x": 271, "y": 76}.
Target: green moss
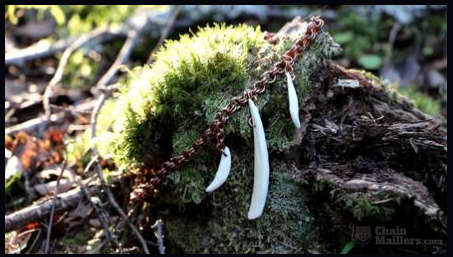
{"x": 72, "y": 244}
{"x": 286, "y": 226}
{"x": 185, "y": 87}
{"x": 361, "y": 206}
{"x": 420, "y": 100}
{"x": 370, "y": 76}
{"x": 338, "y": 210}
{"x": 164, "y": 108}
{"x": 175, "y": 99}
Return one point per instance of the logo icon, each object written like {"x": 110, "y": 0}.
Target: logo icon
{"x": 362, "y": 233}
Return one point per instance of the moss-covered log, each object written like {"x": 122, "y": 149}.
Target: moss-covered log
{"x": 364, "y": 156}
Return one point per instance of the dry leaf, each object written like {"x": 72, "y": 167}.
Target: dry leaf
{"x": 95, "y": 223}
{"x": 25, "y": 148}
{"x": 78, "y": 216}
{"x": 7, "y": 154}
{"x": 53, "y": 172}
{"x": 36, "y": 30}
{"x": 8, "y": 142}
{"x": 81, "y": 212}
{"x": 13, "y": 167}
{"x": 33, "y": 152}
{"x": 18, "y": 241}
{"x": 9, "y": 43}
{"x": 49, "y": 188}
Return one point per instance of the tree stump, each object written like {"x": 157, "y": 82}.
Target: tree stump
{"x": 364, "y": 157}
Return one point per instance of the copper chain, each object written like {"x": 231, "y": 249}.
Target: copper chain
{"x": 217, "y": 128}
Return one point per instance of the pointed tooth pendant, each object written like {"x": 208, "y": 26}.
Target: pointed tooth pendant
{"x": 261, "y": 166}
{"x": 222, "y": 172}
{"x": 293, "y": 102}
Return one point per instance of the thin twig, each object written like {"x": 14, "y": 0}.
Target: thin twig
{"x": 40, "y": 123}
{"x": 42, "y": 210}
{"x": 32, "y": 246}
{"x": 62, "y": 64}
{"x": 121, "y": 59}
{"x": 391, "y": 41}
{"x": 165, "y": 33}
{"x": 19, "y": 57}
{"x": 103, "y": 216}
{"x": 126, "y": 218}
{"x": 159, "y": 227}
{"x": 49, "y": 227}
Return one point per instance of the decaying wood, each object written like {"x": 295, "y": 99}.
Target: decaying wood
{"x": 376, "y": 143}
{"x": 361, "y": 140}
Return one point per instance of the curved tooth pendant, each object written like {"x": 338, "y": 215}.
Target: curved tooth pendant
{"x": 261, "y": 166}
{"x": 293, "y": 102}
{"x": 222, "y": 172}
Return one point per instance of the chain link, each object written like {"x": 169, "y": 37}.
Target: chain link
{"x": 217, "y": 128}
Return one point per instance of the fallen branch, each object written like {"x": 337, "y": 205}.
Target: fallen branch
{"x": 19, "y": 57}
{"x": 40, "y": 123}
{"x": 36, "y": 51}
{"x": 62, "y": 64}
{"x": 123, "y": 56}
{"x": 165, "y": 33}
{"x": 42, "y": 210}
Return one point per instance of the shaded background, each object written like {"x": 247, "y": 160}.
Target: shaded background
{"x": 404, "y": 45}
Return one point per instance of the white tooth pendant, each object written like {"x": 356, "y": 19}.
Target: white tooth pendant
{"x": 222, "y": 172}
{"x": 293, "y": 102}
{"x": 261, "y": 166}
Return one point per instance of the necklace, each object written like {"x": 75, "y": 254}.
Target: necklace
{"x": 217, "y": 129}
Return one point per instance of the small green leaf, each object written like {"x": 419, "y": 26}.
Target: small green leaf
{"x": 58, "y": 14}
{"x": 12, "y": 14}
{"x": 428, "y": 50}
{"x": 343, "y": 37}
{"x": 370, "y": 61}
{"x": 348, "y": 247}
{"x": 11, "y": 181}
